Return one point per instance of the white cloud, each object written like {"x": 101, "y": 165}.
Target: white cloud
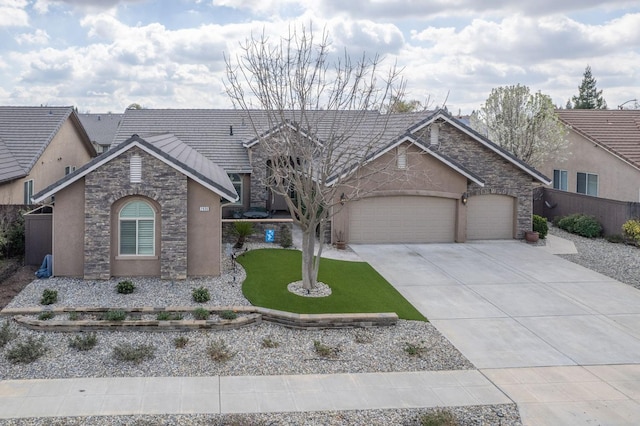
{"x": 37, "y": 37}
{"x": 13, "y": 14}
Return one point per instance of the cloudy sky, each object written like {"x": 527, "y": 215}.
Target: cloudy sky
{"x": 102, "y": 55}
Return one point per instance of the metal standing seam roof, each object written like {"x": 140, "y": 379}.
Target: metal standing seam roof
{"x": 167, "y": 148}
{"x": 25, "y": 132}
{"x": 617, "y": 131}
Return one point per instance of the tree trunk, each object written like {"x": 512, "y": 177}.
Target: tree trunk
{"x": 309, "y": 272}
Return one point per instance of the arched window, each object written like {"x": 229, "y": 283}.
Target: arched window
{"x": 137, "y": 229}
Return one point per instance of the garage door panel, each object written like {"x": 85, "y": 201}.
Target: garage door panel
{"x": 490, "y": 217}
{"x": 403, "y": 219}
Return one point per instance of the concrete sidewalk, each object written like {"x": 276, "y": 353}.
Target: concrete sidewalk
{"x": 244, "y": 394}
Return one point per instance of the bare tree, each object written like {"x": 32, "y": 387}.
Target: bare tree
{"x": 317, "y": 120}
{"x": 522, "y": 123}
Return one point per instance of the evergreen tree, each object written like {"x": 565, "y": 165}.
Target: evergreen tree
{"x": 589, "y": 97}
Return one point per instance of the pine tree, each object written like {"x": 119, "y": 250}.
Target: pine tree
{"x": 589, "y": 97}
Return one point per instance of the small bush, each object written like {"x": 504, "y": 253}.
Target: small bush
{"x": 363, "y": 336}
{"x": 219, "y": 351}
{"x": 286, "y": 240}
{"x": 45, "y": 316}
{"x": 26, "y": 352}
{"x": 540, "y": 226}
{"x": 133, "y": 353}
{"x": 413, "y": 349}
{"x": 268, "y": 342}
{"x": 117, "y": 315}
{"x": 325, "y": 351}
{"x": 228, "y": 315}
{"x": 631, "y": 229}
{"x": 74, "y": 316}
{"x": 201, "y": 295}
{"x": 125, "y": 287}
{"x": 83, "y": 342}
{"x": 581, "y": 224}
{"x": 438, "y": 418}
{"x": 180, "y": 342}
{"x": 168, "y": 316}
{"x": 201, "y": 314}
{"x": 615, "y": 238}
{"x": 49, "y": 297}
{"x": 6, "y": 334}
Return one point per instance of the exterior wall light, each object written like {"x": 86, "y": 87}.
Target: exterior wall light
{"x": 343, "y": 199}
{"x": 464, "y": 198}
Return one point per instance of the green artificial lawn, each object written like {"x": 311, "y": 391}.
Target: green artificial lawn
{"x": 355, "y": 286}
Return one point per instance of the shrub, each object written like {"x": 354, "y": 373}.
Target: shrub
{"x": 180, "y": 342}
{"x": 581, "y": 224}
{"x": 413, "y": 349}
{"x": 6, "y": 334}
{"x": 168, "y": 316}
{"x": 49, "y": 297}
{"x": 117, "y": 315}
{"x": 615, "y": 238}
{"x": 219, "y": 351}
{"x": 363, "y": 336}
{"x": 325, "y": 351}
{"x": 125, "y": 287}
{"x": 26, "y": 352}
{"x": 201, "y": 314}
{"x": 228, "y": 315}
{"x": 268, "y": 342}
{"x": 540, "y": 225}
{"x": 286, "y": 240}
{"x": 83, "y": 342}
{"x": 133, "y": 353}
{"x": 47, "y": 315}
{"x": 201, "y": 295}
{"x": 631, "y": 229}
{"x": 242, "y": 230}
{"x": 438, "y": 418}
{"x": 74, "y": 316}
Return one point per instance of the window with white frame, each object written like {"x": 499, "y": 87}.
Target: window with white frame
{"x": 560, "y": 180}
{"x": 28, "y": 191}
{"x": 587, "y": 183}
{"x": 236, "y": 180}
{"x": 69, "y": 169}
{"x": 401, "y": 157}
{"x": 137, "y": 229}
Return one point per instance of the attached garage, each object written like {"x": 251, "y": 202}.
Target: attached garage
{"x": 490, "y": 217}
{"x": 402, "y": 219}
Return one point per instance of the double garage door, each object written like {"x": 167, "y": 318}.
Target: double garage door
{"x": 413, "y": 219}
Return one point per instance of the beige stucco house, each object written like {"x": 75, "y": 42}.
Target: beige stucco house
{"x": 147, "y": 207}
{"x": 38, "y": 146}
{"x": 603, "y": 157}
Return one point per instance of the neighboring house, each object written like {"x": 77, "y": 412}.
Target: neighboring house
{"x": 101, "y": 129}
{"x": 148, "y": 207}
{"x": 603, "y": 154}
{"x": 38, "y": 146}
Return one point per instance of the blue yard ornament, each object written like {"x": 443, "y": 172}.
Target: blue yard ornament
{"x": 270, "y": 235}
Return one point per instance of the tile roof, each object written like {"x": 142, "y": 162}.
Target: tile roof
{"x": 25, "y": 132}
{"x": 101, "y": 128}
{"x": 617, "y": 131}
{"x": 169, "y": 149}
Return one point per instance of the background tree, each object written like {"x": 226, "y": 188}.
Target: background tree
{"x": 320, "y": 106}
{"x": 398, "y": 105}
{"x": 524, "y": 124}
{"x": 589, "y": 97}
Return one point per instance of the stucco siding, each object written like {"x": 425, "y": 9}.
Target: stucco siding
{"x": 203, "y": 231}
{"x": 68, "y": 231}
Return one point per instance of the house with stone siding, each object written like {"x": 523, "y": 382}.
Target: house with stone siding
{"x": 429, "y": 178}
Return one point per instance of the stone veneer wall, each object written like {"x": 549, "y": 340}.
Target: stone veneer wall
{"x": 259, "y": 192}
{"x": 500, "y": 176}
{"x": 110, "y": 183}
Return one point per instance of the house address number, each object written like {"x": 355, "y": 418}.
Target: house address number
{"x": 204, "y": 209}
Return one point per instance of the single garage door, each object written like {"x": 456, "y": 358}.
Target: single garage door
{"x": 490, "y": 217}
{"x": 402, "y": 219}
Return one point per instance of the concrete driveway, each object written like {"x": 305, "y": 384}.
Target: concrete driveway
{"x": 520, "y": 313}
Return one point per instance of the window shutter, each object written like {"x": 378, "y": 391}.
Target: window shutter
{"x": 135, "y": 169}
{"x": 127, "y": 237}
{"x": 145, "y": 237}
